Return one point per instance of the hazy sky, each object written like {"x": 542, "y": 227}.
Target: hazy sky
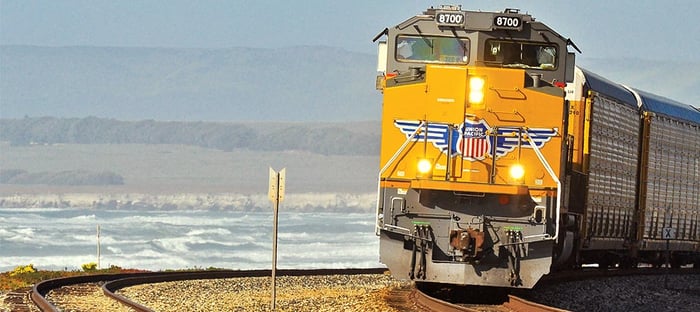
{"x": 621, "y": 28}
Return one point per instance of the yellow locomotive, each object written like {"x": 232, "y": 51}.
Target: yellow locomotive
{"x": 485, "y": 147}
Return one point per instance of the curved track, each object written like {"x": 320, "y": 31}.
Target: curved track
{"x": 424, "y": 297}
{"x": 113, "y": 282}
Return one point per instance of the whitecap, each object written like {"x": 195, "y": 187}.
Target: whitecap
{"x": 114, "y": 250}
{"x": 91, "y": 217}
{"x": 217, "y": 231}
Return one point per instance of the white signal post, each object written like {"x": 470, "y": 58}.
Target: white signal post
{"x": 98, "y": 246}
{"x": 276, "y": 195}
{"x": 668, "y": 233}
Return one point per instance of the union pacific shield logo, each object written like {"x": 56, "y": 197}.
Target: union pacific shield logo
{"x": 471, "y": 139}
{"x": 473, "y": 143}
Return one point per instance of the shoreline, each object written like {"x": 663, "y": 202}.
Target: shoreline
{"x": 298, "y": 202}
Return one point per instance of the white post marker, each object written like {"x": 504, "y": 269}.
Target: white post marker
{"x": 276, "y": 195}
{"x": 668, "y": 234}
{"x": 98, "y": 246}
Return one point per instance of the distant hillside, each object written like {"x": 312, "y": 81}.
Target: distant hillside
{"x": 308, "y": 83}
{"x": 285, "y": 84}
{"x": 353, "y": 138}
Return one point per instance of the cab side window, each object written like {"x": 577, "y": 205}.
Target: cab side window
{"x": 432, "y": 49}
{"x": 520, "y": 55}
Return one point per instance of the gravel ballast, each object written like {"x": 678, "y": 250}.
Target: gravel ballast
{"x": 624, "y": 293}
{"x": 293, "y": 293}
{"x": 369, "y": 292}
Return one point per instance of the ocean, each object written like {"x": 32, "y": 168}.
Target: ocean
{"x": 65, "y": 239}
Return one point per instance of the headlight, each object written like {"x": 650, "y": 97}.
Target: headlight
{"x": 517, "y": 171}
{"x": 476, "y": 90}
{"x": 424, "y": 166}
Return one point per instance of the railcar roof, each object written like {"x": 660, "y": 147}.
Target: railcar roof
{"x": 599, "y": 84}
{"x": 650, "y": 102}
{"x": 661, "y": 105}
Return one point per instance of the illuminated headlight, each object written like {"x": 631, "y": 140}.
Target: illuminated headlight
{"x": 517, "y": 171}
{"x": 476, "y": 90}
{"x": 424, "y": 166}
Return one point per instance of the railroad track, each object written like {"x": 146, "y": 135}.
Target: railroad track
{"x": 514, "y": 303}
{"x": 18, "y": 301}
{"x": 435, "y": 297}
{"x": 477, "y": 299}
{"x": 59, "y": 294}
{"x": 51, "y": 295}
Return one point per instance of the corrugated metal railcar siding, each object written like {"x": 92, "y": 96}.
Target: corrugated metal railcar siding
{"x": 673, "y": 183}
{"x": 613, "y": 171}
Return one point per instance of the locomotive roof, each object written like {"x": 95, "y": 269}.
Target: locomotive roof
{"x": 661, "y": 105}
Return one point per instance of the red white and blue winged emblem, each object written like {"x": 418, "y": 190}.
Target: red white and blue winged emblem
{"x": 471, "y": 139}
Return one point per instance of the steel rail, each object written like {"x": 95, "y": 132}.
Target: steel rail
{"x": 114, "y": 282}
{"x": 519, "y": 304}
{"x": 41, "y": 289}
{"x": 425, "y": 302}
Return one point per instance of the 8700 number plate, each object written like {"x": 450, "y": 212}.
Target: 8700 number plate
{"x": 449, "y": 18}
{"x": 507, "y": 22}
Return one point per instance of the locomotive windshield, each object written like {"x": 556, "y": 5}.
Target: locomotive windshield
{"x": 432, "y": 49}
{"x": 520, "y": 54}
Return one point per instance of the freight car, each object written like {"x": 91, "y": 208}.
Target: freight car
{"x": 637, "y": 172}
{"x": 502, "y": 161}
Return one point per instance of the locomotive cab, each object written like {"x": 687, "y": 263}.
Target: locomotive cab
{"x": 473, "y": 151}
{"x": 486, "y": 39}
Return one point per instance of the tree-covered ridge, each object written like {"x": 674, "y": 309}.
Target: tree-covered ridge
{"x": 68, "y": 177}
{"x": 360, "y": 138}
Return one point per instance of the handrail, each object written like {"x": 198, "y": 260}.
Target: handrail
{"x": 553, "y": 176}
{"x": 423, "y": 123}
